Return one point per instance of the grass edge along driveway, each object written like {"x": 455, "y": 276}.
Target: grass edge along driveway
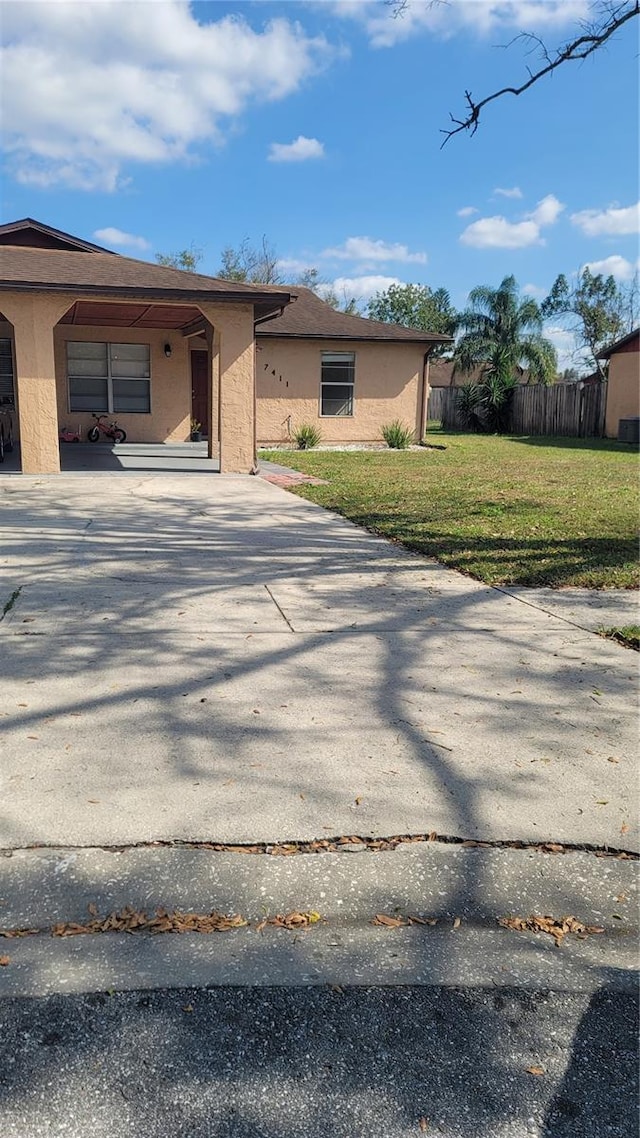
{"x": 507, "y": 511}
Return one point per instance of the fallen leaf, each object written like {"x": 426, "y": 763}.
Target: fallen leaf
{"x": 612, "y": 760}
{"x": 457, "y": 922}
{"x": 535, "y": 1070}
{"x": 291, "y": 921}
{"x": 358, "y": 801}
{"x": 33, "y": 736}
{"x": 423, "y": 1123}
{"x": 624, "y": 828}
{"x": 558, "y": 929}
{"x": 388, "y": 922}
{"x": 4, "y": 960}
{"x": 602, "y": 801}
{"x": 188, "y": 1008}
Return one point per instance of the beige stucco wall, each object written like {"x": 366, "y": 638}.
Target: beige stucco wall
{"x": 233, "y": 350}
{"x": 33, "y": 316}
{"x": 623, "y": 389}
{"x": 388, "y": 383}
{"x": 170, "y": 416}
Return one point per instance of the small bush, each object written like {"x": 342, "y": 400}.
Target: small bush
{"x": 397, "y": 435}
{"x": 307, "y": 436}
{"x": 469, "y": 406}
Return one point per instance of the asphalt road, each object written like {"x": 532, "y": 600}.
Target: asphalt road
{"x": 320, "y": 1063}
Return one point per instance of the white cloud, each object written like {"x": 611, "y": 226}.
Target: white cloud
{"x": 368, "y": 251}
{"x": 293, "y": 266}
{"x": 298, "y": 151}
{"x": 547, "y": 211}
{"x": 362, "y": 288}
{"x": 499, "y": 233}
{"x": 534, "y": 290}
{"x": 117, "y": 237}
{"x": 467, "y": 211}
{"x": 446, "y": 19}
{"x": 615, "y": 266}
{"x": 111, "y": 83}
{"x": 611, "y": 222}
{"x": 515, "y": 192}
{"x": 565, "y": 345}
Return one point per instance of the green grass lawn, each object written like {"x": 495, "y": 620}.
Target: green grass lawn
{"x": 526, "y": 511}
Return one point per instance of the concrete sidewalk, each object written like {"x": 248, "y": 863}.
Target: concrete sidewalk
{"x": 215, "y": 659}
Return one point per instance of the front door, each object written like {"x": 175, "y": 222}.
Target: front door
{"x": 200, "y": 390}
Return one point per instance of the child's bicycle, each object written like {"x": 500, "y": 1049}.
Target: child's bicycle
{"x": 6, "y": 434}
{"x": 111, "y": 430}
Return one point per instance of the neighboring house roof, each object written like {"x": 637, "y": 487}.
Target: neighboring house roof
{"x": 39, "y": 236}
{"x": 441, "y": 374}
{"x": 310, "y": 318}
{"x": 619, "y": 344}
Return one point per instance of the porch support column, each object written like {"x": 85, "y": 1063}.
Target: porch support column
{"x": 233, "y": 325}
{"x": 213, "y": 355}
{"x": 34, "y": 316}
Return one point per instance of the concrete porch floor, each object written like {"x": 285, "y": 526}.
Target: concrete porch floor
{"x": 97, "y": 458}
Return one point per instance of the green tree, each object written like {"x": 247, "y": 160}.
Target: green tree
{"x": 256, "y": 264}
{"x": 186, "y": 259}
{"x": 311, "y": 278}
{"x": 599, "y": 311}
{"x": 501, "y": 335}
{"x": 416, "y": 306}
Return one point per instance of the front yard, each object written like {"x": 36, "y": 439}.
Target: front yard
{"x": 526, "y": 511}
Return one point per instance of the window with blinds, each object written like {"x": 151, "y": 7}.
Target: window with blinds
{"x": 113, "y": 378}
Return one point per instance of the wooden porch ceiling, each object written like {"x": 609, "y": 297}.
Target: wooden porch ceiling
{"x": 139, "y": 315}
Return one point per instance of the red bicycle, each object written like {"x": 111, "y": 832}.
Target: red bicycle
{"x": 111, "y": 430}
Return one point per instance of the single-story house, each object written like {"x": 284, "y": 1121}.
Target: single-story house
{"x": 346, "y": 375}
{"x": 85, "y": 331}
{"x": 623, "y": 382}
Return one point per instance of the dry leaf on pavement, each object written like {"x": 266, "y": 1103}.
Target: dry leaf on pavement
{"x": 558, "y": 929}
{"x": 4, "y": 960}
{"x": 535, "y": 1070}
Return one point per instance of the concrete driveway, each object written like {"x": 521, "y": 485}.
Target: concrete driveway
{"x": 214, "y": 659}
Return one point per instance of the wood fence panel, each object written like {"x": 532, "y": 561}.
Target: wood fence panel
{"x": 564, "y": 409}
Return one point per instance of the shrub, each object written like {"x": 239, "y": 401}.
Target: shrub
{"x": 307, "y": 436}
{"x": 469, "y": 406}
{"x": 397, "y": 435}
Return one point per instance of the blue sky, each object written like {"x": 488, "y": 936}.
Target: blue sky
{"x": 159, "y": 123}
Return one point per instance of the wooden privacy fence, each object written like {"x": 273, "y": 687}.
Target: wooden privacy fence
{"x": 563, "y": 409}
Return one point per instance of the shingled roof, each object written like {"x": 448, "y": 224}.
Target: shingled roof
{"x": 107, "y": 275}
{"x": 310, "y": 318}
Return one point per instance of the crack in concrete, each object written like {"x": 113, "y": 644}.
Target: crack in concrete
{"x": 346, "y": 843}
{"x": 9, "y": 604}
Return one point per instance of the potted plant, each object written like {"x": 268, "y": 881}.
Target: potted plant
{"x": 196, "y": 431}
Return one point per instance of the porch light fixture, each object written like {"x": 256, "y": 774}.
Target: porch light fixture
{"x": 167, "y": 350}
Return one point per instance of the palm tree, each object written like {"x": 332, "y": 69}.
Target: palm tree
{"x": 501, "y": 335}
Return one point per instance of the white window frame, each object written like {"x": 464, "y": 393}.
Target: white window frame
{"x": 337, "y": 357}
{"x": 109, "y": 377}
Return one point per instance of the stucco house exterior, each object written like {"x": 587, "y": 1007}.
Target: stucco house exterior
{"x": 346, "y": 375}
{"x": 623, "y": 382}
{"x": 85, "y": 331}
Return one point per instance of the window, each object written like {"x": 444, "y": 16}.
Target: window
{"x": 109, "y": 377}
{"x": 7, "y": 395}
{"x": 336, "y": 385}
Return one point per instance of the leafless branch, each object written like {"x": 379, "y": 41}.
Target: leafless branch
{"x": 593, "y": 38}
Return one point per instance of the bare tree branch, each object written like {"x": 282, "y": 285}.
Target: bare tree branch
{"x": 594, "y": 37}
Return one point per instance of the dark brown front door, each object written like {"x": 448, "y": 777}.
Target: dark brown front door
{"x": 200, "y": 390}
